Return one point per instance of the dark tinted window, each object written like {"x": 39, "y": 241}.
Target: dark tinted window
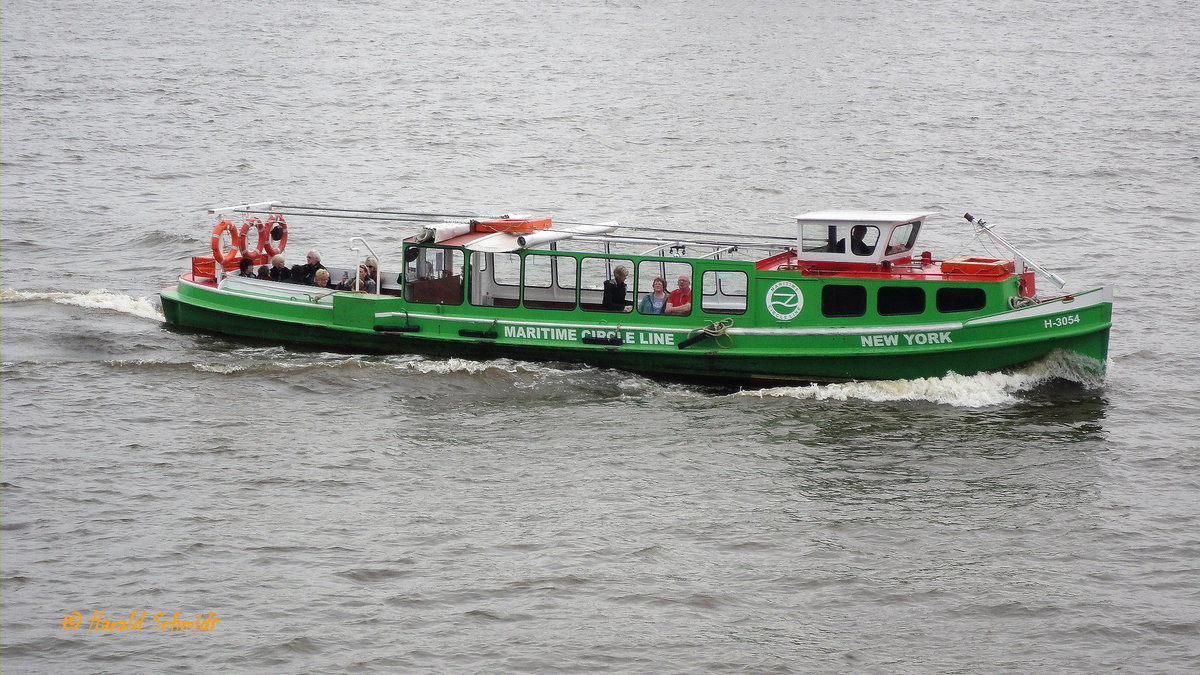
{"x": 895, "y": 300}
{"x": 960, "y": 299}
{"x": 843, "y": 300}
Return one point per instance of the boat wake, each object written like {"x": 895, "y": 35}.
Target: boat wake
{"x": 95, "y": 299}
{"x": 966, "y": 391}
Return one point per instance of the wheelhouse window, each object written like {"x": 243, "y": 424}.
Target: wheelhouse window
{"x": 843, "y": 300}
{"x": 495, "y": 279}
{"x": 860, "y": 240}
{"x": 549, "y": 281}
{"x": 960, "y": 299}
{"x": 433, "y": 274}
{"x": 896, "y": 300}
{"x": 903, "y": 238}
{"x": 599, "y": 287}
{"x": 723, "y": 292}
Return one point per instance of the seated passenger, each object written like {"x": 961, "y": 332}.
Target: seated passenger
{"x": 245, "y": 267}
{"x": 311, "y": 267}
{"x": 297, "y": 274}
{"x": 321, "y": 278}
{"x": 264, "y": 272}
{"x": 372, "y": 268}
{"x": 614, "y": 292}
{"x": 679, "y": 302}
{"x": 365, "y": 284}
{"x": 279, "y": 271}
{"x": 857, "y": 245}
{"x": 655, "y": 301}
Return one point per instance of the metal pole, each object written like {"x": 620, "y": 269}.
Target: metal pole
{"x": 980, "y": 226}
{"x": 384, "y": 211}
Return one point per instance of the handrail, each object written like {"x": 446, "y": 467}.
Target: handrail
{"x": 379, "y": 269}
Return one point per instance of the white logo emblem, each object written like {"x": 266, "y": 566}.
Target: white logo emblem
{"x": 784, "y": 300}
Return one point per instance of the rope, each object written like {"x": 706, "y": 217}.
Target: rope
{"x": 715, "y": 330}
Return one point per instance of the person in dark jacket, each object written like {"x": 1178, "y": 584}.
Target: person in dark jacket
{"x": 279, "y": 270}
{"x": 614, "y": 292}
{"x": 310, "y": 268}
{"x": 247, "y": 267}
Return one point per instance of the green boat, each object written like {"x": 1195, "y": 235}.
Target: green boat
{"x": 846, "y": 296}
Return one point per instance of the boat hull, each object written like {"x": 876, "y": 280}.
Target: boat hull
{"x": 373, "y": 324}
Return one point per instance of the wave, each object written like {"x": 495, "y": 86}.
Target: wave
{"x": 966, "y": 391}
{"x": 95, "y": 299}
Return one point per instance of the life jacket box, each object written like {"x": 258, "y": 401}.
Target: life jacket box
{"x": 991, "y": 266}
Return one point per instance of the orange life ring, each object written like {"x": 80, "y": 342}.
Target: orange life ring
{"x": 272, "y": 221}
{"x": 512, "y": 225}
{"x": 226, "y": 259}
{"x": 263, "y": 230}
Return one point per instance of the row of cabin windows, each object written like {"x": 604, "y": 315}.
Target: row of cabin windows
{"x": 548, "y": 281}
{"x": 851, "y": 300}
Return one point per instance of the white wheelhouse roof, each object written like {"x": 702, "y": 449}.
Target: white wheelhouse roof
{"x": 874, "y": 217}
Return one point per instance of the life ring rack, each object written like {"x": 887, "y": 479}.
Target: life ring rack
{"x": 273, "y": 221}
{"x": 263, "y": 237}
{"x": 226, "y": 258}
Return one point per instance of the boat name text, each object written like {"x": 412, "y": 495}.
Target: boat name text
{"x": 893, "y": 339}
{"x": 577, "y": 334}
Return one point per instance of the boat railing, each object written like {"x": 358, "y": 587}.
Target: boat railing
{"x": 378, "y": 264}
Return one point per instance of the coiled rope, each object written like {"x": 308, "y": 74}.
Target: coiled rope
{"x": 714, "y": 329}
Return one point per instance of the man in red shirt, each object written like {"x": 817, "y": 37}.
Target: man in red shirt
{"x": 679, "y": 302}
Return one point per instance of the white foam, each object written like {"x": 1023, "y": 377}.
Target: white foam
{"x": 967, "y": 391}
{"x": 96, "y": 299}
{"x": 470, "y": 367}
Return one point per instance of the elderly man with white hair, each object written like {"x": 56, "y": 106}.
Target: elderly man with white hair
{"x": 311, "y": 267}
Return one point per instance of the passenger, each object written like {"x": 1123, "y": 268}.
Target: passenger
{"x": 857, "y": 245}
{"x": 373, "y": 268}
{"x": 297, "y": 274}
{"x": 321, "y": 278}
{"x": 365, "y": 283}
{"x": 311, "y": 267}
{"x": 679, "y": 302}
{"x": 614, "y": 292}
{"x": 656, "y": 301}
{"x": 264, "y": 272}
{"x": 247, "y": 268}
{"x": 279, "y": 271}
{"x": 346, "y": 283}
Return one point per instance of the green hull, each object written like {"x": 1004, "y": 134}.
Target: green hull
{"x": 769, "y": 352}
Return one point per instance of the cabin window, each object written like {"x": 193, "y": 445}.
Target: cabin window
{"x": 723, "y": 292}
{"x": 593, "y": 272}
{"x": 549, "y": 281}
{"x": 843, "y": 300}
{"x": 860, "y": 240}
{"x": 495, "y": 279}
{"x": 433, "y": 274}
{"x": 895, "y": 300}
{"x": 903, "y": 238}
{"x": 669, "y": 272}
{"x": 960, "y": 299}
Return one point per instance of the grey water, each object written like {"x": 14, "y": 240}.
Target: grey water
{"x": 342, "y": 513}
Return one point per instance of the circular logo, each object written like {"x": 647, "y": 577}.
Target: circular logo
{"x": 784, "y": 300}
